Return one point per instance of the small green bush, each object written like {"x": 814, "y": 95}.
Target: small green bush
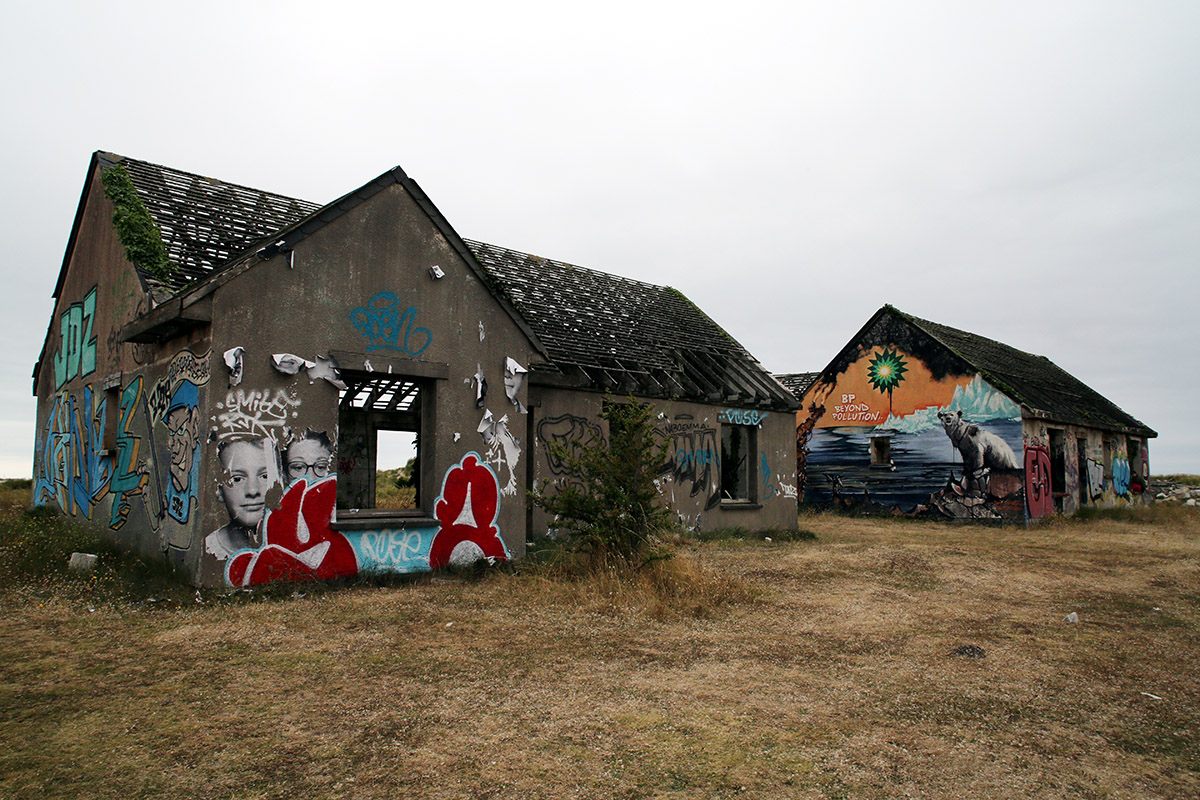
{"x": 609, "y": 511}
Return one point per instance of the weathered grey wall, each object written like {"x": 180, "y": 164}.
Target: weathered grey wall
{"x": 377, "y": 257}
{"x": 107, "y": 423}
{"x": 690, "y": 478}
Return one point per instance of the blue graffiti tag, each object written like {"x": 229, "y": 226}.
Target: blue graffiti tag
{"x": 129, "y": 476}
{"x": 1121, "y": 476}
{"x": 386, "y": 326}
{"x": 72, "y": 471}
{"x": 764, "y": 469}
{"x": 742, "y": 416}
{"x": 76, "y": 356}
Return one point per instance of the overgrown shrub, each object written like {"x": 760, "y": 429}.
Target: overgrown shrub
{"x": 135, "y": 227}
{"x": 608, "y": 511}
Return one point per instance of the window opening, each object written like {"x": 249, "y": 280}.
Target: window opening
{"x": 379, "y": 432}
{"x": 881, "y": 450}
{"x": 737, "y": 458}
{"x": 1058, "y": 467}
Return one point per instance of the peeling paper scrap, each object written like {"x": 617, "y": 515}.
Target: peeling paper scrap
{"x": 504, "y": 451}
{"x": 480, "y": 384}
{"x": 481, "y": 330}
{"x": 486, "y": 427}
{"x": 436, "y": 272}
{"x": 457, "y": 436}
{"x": 514, "y": 381}
{"x": 233, "y": 360}
{"x": 326, "y": 368}
{"x": 290, "y": 364}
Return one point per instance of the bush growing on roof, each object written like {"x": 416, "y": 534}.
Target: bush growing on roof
{"x": 136, "y": 230}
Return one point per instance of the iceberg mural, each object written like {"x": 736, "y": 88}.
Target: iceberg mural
{"x": 978, "y": 401}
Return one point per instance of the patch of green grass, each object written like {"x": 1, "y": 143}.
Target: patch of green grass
{"x": 36, "y": 546}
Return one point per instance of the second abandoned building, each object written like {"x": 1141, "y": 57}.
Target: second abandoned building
{"x": 221, "y": 361}
{"x": 915, "y": 417}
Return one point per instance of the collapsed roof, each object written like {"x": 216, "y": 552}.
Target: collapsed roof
{"x": 797, "y": 382}
{"x": 599, "y": 331}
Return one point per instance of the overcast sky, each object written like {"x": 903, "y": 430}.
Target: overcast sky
{"x": 1030, "y": 172}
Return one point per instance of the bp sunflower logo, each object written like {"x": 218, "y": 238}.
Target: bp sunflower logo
{"x": 885, "y": 372}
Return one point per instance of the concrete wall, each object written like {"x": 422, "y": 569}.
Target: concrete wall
{"x": 690, "y": 476}
{"x": 118, "y": 427}
{"x": 360, "y": 290}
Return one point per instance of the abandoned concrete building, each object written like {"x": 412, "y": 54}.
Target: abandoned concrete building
{"x": 224, "y": 366}
{"x": 915, "y": 417}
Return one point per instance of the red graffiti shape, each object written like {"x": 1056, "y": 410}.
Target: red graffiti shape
{"x": 467, "y": 512}
{"x": 299, "y": 543}
{"x": 1038, "y": 495}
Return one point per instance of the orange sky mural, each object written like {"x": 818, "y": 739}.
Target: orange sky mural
{"x": 860, "y": 399}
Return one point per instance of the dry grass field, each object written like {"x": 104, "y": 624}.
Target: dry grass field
{"x": 827, "y": 668}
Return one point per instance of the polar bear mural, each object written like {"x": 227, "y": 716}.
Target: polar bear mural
{"x": 982, "y": 451}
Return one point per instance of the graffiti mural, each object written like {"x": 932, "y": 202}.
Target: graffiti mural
{"x": 184, "y": 366}
{"x": 1121, "y": 475}
{"x": 563, "y": 437}
{"x": 387, "y": 326}
{"x": 1039, "y": 496}
{"x": 255, "y": 413}
{"x": 903, "y": 432}
{"x": 468, "y": 510}
{"x": 76, "y": 356}
{"x": 981, "y": 451}
{"x": 174, "y": 402}
{"x": 298, "y": 541}
{"x": 71, "y": 468}
{"x": 693, "y": 456}
{"x": 129, "y": 474}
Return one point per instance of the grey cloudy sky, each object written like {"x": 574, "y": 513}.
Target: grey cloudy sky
{"x": 1028, "y": 171}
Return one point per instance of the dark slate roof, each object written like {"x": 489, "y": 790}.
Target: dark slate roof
{"x": 205, "y": 222}
{"x": 798, "y": 382}
{"x": 624, "y": 335}
{"x": 1037, "y": 383}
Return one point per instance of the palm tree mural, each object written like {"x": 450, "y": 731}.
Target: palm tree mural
{"x": 886, "y": 371}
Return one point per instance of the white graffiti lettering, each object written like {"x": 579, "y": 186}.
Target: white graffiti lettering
{"x": 391, "y": 546}
{"x": 255, "y": 412}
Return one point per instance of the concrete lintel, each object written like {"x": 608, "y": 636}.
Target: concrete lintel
{"x": 384, "y": 364}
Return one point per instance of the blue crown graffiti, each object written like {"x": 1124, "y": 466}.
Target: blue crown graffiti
{"x": 386, "y": 326}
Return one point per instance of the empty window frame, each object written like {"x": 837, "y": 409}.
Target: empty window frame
{"x": 381, "y": 425}
{"x": 739, "y": 444}
{"x": 881, "y": 450}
